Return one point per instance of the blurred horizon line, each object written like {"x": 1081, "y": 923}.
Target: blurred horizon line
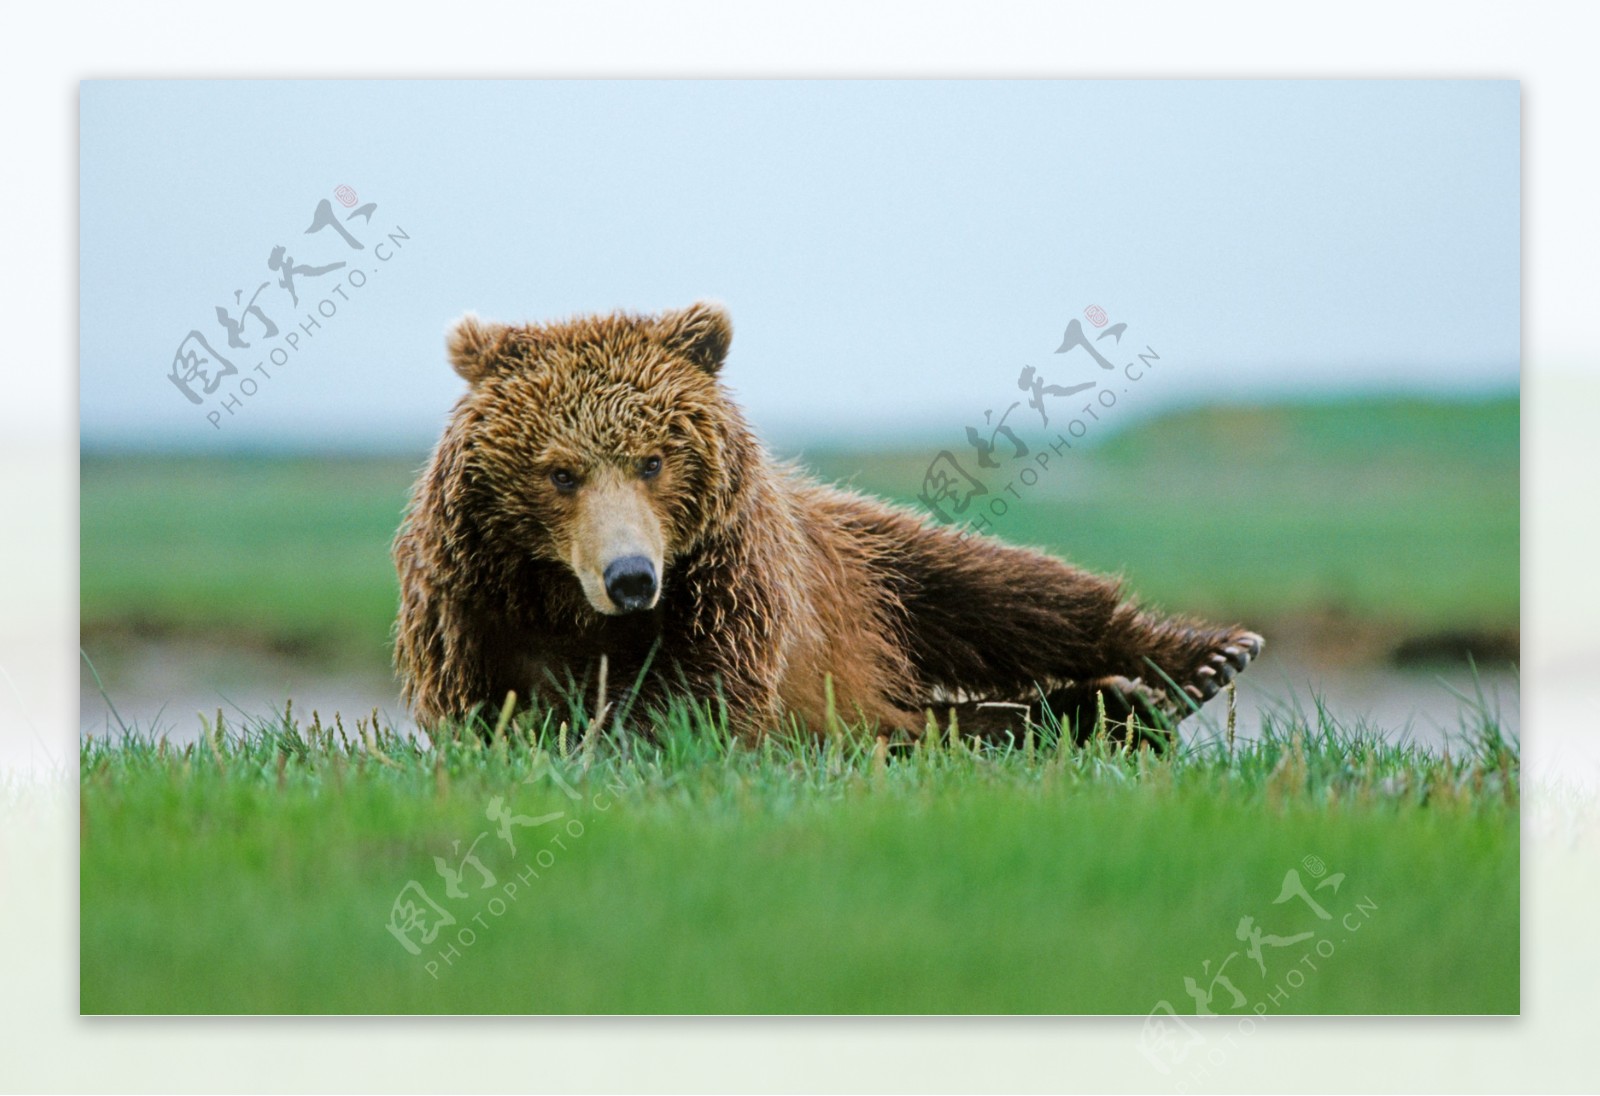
{"x": 924, "y": 429}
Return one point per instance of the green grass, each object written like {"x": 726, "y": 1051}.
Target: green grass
{"x": 1402, "y": 512}
{"x": 256, "y": 870}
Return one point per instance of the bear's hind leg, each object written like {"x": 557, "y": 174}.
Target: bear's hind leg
{"x": 988, "y": 622}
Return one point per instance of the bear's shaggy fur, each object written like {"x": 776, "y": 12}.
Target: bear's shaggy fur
{"x": 597, "y": 492}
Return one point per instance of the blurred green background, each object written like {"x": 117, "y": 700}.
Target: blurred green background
{"x": 1348, "y": 528}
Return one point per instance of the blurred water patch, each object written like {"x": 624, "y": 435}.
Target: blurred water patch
{"x": 167, "y": 687}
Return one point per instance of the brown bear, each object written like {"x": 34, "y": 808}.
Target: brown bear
{"x": 597, "y": 492}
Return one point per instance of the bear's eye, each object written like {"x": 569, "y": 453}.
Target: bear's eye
{"x": 564, "y": 479}
{"x": 650, "y": 467}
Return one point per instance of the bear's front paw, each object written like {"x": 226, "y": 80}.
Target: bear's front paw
{"x": 1222, "y": 665}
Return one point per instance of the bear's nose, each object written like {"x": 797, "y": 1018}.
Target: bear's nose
{"x": 631, "y": 582}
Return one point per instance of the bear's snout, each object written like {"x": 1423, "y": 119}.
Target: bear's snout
{"x": 631, "y": 583}
{"x": 617, "y": 546}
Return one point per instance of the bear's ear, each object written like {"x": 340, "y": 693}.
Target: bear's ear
{"x": 702, "y": 333}
{"x": 474, "y": 347}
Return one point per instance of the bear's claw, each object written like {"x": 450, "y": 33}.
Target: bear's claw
{"x": 1222, "y": 666}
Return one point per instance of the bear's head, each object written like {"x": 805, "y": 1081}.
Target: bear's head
{"x": 603, "y": 443}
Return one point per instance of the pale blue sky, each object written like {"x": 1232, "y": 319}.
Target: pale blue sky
{"x": 893, "y": 253}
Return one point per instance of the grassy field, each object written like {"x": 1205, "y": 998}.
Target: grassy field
{"x": 275, "y": 866}
{"x": 261, "y": 869}
{"x": 1403, "y": 514}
